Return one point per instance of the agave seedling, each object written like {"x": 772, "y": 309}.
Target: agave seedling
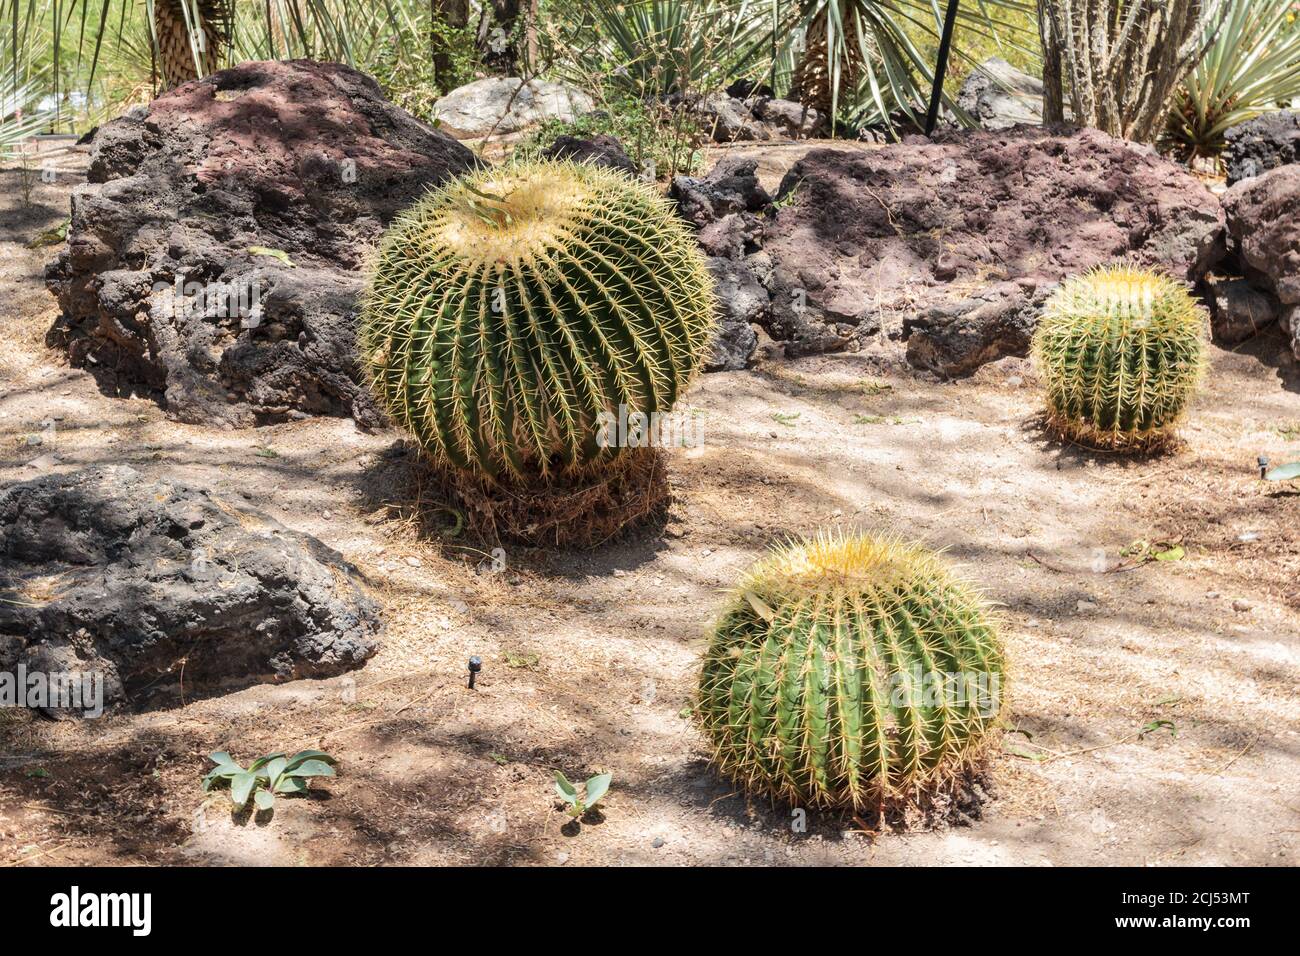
{"x": 267, "y": 777}
{"x": 1120, "y": 351}
{"x": 848, "y": 671}
{"x": 595, "y": 788}
{"x": 1287, "y": 472}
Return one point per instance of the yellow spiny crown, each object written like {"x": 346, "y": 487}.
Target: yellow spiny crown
{"x": 513, "y": 214}
{"x": 836, "y": 559}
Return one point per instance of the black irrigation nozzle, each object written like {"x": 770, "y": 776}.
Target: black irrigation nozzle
{"x": 475, "y": 665}
{"x": 1262, "y": 461}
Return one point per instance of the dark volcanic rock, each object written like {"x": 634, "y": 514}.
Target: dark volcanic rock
{"x": 742, "y": 303}
{"x": 1238, "y": 310}
{"x": 600, "y": 150}
{"x": 956, "y": 336}
{"x": 729, "y": 119}
{"x": 1263, "y": 216}
{"x": 730, "y": 187}
{"x": 136, "y": 578}
{"x": 954, "y": 243}
{"x": 788, "y": 118}
{"x": 213, "y": 257}
{"x": 1261, "y": 144}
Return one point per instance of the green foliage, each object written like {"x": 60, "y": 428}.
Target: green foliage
{"x": 1252, "y": 66}
{"x": 876, "y": 58}
{"x": 660, "y": 139}
{"x": 102, "y": 48}
{"x": 651, "y": 48}
{"x": 846, "y": 671}
{"x": 1287, "y": 472}
{"x": 405, "y": 70}
{"x": 592, "y": 791}
{"x": 1120, "y": 351}
{"x": 52, "y": 236}
{"x": 267, "y": 777}
{"x": 508, "y": 311}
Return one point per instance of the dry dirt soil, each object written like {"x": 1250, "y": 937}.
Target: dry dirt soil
{"x": 1153, "y": 718}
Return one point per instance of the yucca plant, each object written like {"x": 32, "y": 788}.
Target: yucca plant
{"x": 1120, "y": 351}
{"x": 1251, "y": 66}
{"x": 509, "y": 311}
{"x": 659, "y": 47}
{"x": 864, "y": 61}
{"x": 850, "y": 671}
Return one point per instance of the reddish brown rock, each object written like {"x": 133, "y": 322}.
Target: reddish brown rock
{"x": 213, "y": 257}
{"x": 953, "y": 244}
{"x": 1263, "y": 215}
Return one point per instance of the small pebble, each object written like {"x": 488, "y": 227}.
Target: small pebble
{"x": 657, "y": 842}
{"x": 413, "y": 562}
{"x": 1239, "y": 605}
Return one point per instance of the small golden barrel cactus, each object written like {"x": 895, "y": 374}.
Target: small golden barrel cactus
{"x": 509, "y": 309}
{"x": 850, "y": 671}
{"x": 1120, "y": 351}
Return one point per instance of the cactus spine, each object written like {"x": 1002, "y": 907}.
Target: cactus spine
{"x": 846, "y": 671}
{"x": 510, "y": 308}
{"x": 1120, "y": 351}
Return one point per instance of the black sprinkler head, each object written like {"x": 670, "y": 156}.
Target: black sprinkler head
{"x": 1262, "y": 461}
{"x": 475, "y": 665}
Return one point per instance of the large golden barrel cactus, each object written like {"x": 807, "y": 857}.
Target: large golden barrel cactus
{"x": 1120, "y": 351}
{"x": 509, "y": 309}
{"x": 850, "y": 671}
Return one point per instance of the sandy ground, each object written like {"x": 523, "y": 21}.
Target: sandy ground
{"x": 590, "y": 658}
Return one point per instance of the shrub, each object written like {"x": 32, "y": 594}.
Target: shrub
{"x": 846, "y": 671}
{"x": 509, "y": 309}
{"x": 1120, "y": 351}
{"x": 661, "y": 139}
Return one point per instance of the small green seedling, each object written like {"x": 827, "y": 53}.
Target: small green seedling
{"x": 786, "y": 418}
{"x": 593, "y": 790}
{"x": 1155, "y": 725}
{"x": 267, "y": 776}
{"x": 874, "y": 386}
{"x": 1144, "y": 551}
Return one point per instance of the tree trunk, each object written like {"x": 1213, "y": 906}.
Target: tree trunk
{"x": 812, "y": 81}
{"x": 1123, "y": 60}
{"x": 498, "y": 36}
{"x": 175, "y": 55}
{"x": 1053, "y": 92}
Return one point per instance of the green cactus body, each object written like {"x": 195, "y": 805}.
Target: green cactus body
{"x": 1120, "y": 351}
{"x": 509, "y": 309}
{"x": 848, "y": 671}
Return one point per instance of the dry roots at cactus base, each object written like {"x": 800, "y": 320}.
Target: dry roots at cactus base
{"x": 1121, "y": 352}
{"x": 568, "y": 511}
{"x": 510, "y": 310}
{"x": 852, "y": 671}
